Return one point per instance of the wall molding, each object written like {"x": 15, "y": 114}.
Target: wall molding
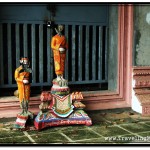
{"x": 122, "y": 96}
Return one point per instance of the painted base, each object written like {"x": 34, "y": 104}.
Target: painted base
{"x": 22, "y": 119}
{"x": 49, "y": 119}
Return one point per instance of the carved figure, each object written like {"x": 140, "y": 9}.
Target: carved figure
{"x": 59, "y": 106}
{"x": 22, "y": 75}
{"x": 59, "y": 46}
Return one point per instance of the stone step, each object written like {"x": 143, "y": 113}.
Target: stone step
{"x": 10, "y": 106}
{"x": 14, "y": 98}
{"x": 12, "y": 112}
{"x": 16, "y": 104}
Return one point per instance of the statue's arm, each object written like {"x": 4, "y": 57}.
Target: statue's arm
{"x": 17, "y": 77}
{"x": 54, "y": 44}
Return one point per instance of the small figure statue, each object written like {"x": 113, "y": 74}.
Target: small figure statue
{"x": 59, "y": 46}
{"x": 22, "y": 75}
{"x": 59, "y": 106}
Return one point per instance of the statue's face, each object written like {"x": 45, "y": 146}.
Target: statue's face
{"x": 24, "y": 62}
{"x": 60, "y": 28}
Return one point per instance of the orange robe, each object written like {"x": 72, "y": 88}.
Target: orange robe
{"x": 24, "y": 89}
{"x": 59, "y": 58}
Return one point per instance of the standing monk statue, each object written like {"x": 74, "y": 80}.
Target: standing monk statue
{"x": 22, "y": 76}
{"x": 59, "y": 46}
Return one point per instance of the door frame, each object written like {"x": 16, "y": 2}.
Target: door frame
{"x": 122, "y": 96}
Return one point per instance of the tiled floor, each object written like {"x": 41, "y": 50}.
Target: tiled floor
{"x": 119, "y": 126}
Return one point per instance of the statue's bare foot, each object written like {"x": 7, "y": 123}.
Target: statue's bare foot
{"x": 58, "y": 78}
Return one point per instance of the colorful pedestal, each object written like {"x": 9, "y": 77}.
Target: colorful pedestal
{"x": 50, "y": 119}
{"x": 58, "y": 107}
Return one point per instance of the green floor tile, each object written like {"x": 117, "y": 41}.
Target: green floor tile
{"x": 126, "y": 120}
{"x": 118, "y": 115}
{"x": 136, "y": 127}
{"x": 10, "y": 133}
{"x": 147, "y": 123}
{"x": 123, "y": 118}
{"x": 58, "y": 128}
{"x": 73, "y": 127}
{"x": 77, "y": 134}
{"x": 46, "y": 130}
{"x": 49, "y": 138}
{"x": 14, "y": 140}
{"x": 139, "y": 117}
{"x": 108, "y": 131}
{"x": 98, "y": 119}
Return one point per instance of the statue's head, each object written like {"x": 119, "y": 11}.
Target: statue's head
{"x": 24, "y": 61}
{"x": 60, "y": 28}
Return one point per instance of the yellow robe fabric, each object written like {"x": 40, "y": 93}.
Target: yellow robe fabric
{"x": 59, "y": 58}
{"x": 23, "y": 89}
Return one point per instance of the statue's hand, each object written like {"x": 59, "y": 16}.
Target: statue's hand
{"x": 62, "y": 50}
{"x": 25, "y": 81}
